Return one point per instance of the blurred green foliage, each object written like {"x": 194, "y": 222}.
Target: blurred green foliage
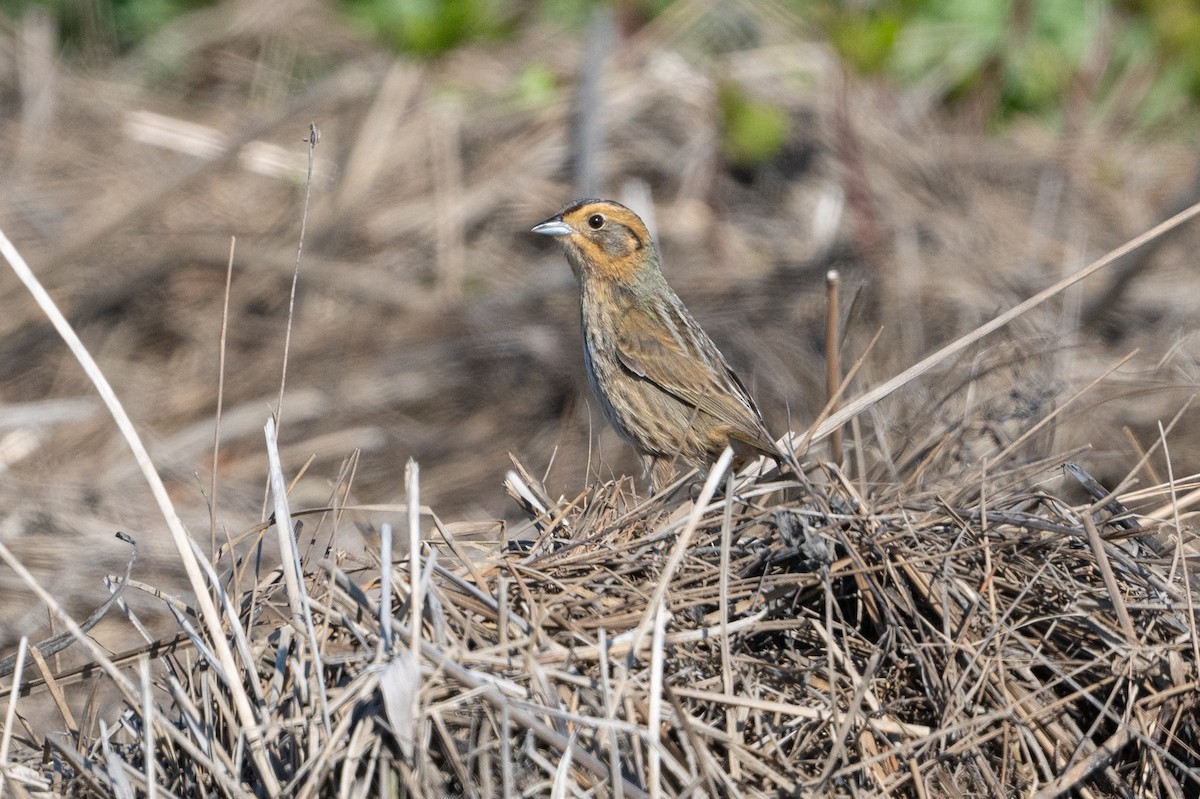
{"x": 865, "y": 39}
{"x": 1003, "y": 57}
{"x": 104, "y": 25}
{"x": 753, "y": 130}
{"x": 1024, "y": 56}
{"x": 430, "y": 27}
{"x": 536, "y": 85}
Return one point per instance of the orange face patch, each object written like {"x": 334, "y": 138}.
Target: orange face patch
{"x": 609, "y": 238}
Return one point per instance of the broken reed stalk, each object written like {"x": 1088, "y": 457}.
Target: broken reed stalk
{"x": 291, "y": 562}
{"x": 416, "y": 595}
{"x": 833, "y": 364}
{"x": 288, "y": 551}
{"x": 11, "y": 714}
{"x": 221, "y": 350}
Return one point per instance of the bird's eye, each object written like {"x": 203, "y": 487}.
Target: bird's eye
{"x": 595, "y": 221}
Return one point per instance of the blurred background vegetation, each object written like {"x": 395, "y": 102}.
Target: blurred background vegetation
{"x": 1000, "y": 58}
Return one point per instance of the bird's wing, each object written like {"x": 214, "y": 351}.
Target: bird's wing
{"x": 679, "y": 358}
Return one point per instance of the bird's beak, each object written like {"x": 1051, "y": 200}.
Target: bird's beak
{"x": 554, "y": 226}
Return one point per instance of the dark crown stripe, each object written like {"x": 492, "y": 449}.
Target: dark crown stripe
{"x": 575, "y": 206}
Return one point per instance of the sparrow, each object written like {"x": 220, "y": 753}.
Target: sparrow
{"x": 661, "y": 381}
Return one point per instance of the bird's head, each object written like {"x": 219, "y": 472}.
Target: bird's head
{"x": 603, "y": 239}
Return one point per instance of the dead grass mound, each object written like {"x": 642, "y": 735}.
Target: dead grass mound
{"x": 782, "y": 639}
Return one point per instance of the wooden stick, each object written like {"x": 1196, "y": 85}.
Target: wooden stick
{"x": 833, "y": 362}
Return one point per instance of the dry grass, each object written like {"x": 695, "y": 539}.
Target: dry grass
{"x": 842, "y": 639}
{"x": 941, "y": 613}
